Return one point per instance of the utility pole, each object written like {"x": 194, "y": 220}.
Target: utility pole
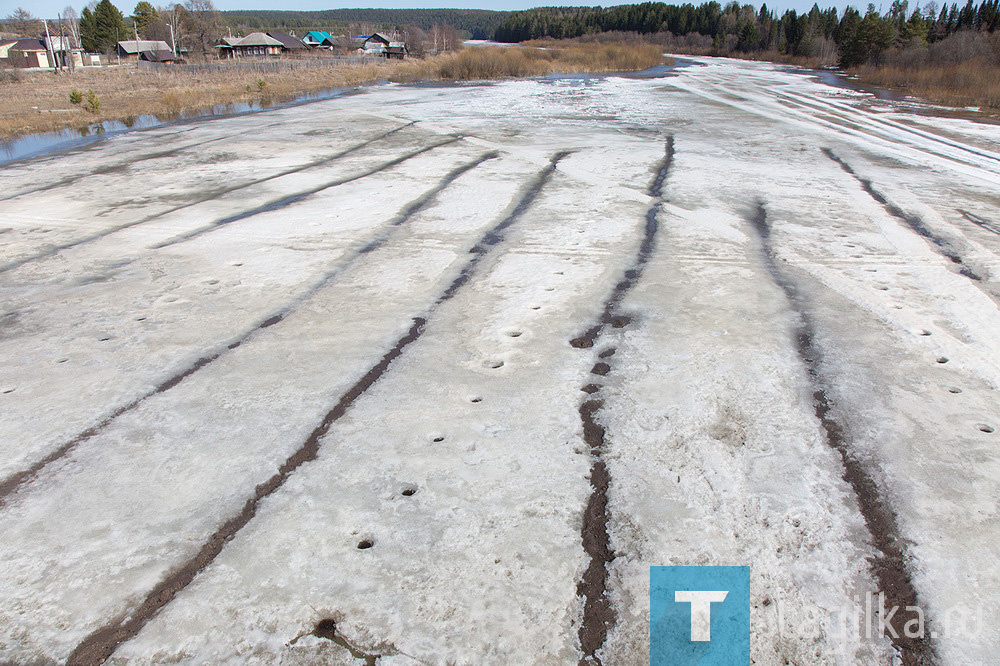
{"x": 67, "y": 52}
{"x": 173, "y": 42}
{"x": 138, "y": 53}
{"x": 48, "y": 41}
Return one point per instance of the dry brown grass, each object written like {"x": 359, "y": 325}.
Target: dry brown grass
{"x": 972, "y": 83}
{"x": 39, "y": 101}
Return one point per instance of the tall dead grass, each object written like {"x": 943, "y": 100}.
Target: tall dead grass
{"x": 39, "y": 101}
{"x": 973, "y": 83}
{"x": 538, "y": 59}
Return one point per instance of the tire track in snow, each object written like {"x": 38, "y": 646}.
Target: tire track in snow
{"x": 207, "y": 197}
{"x": 18, "y": 480}
{"x": 941, "y": 246}
{"x": 284, "y": 202}
{"x": 598, "y": 614}
{"x": 102, "y": 643}
{"x": 890, "y": 568}
{"x": 875, "y": 125}
{"x": 980, "y": 222}
{"x": 122, "y": 166}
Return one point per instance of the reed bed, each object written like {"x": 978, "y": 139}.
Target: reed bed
{"x": 973, "y": 83}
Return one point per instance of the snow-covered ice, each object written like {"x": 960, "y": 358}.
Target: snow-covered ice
{"x": 312, "y": 368}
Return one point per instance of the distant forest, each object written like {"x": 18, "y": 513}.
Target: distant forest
{"x": 479, "y": 23}
{"x": 857, "y": 38}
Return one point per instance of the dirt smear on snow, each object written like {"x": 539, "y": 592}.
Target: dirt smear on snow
{"x": 890, "y": 567}
{"x": 18, "y": 480}
{"x": 598, "y": 613}
{"x": 100, "y": 644}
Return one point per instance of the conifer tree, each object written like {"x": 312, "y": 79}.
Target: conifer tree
{"x": 110, "y": 26}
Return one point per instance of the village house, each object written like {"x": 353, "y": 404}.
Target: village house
{"x": 379, "y": 44}
{"x": 289, "y": 43}
{"x": 318, "y": 39}
{"x": 132, "y": 49}
{"x": 5, "y": 46}
{"x": 28, "y": 54}
{"x": 158, "y": 56}
{"x": 254, "y": 44}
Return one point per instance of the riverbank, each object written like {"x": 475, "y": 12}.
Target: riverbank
{"x": 32, "y": 102}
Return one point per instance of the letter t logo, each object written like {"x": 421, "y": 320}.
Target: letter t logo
{"x": 701, "y": 611}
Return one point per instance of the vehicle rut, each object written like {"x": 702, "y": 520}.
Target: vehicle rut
{"x": 890, "y": 567}
{"x": 917, "y": 225}
{"x": 123, "y": 166}
{"x": 598, "y": 613}
{"x": 20, "y": 479}
{"x": 100, "y": 644}
{"x": 55, "y": 249}
{"x": 980, "y": 222}
{"x": 284, "y": 202}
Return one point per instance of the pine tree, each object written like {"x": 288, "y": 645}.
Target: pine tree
{"x": 110, "y": 26}
{"x": 88, "y": 31}
{"x": 143, "y": 15}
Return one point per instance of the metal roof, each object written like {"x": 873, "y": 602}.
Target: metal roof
{"x": 288, "y": 41}
{"x": 136, "y": 46}
{"x": 257, "y": 39}
{"x": 28, "y": 45}
{"x": 158, "y": 56}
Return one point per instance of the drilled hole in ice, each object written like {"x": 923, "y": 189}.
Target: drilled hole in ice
{"x": 437, "y": 439}
{"x": 326, "y": 629}
{"x": 475, "y": 398}
{"x": 515, "y": 334}
{"x": 409, "y": 492}
{"x": 954, "y": 389}
{"x": 985, "y": 427}
{"x": 9, "y": 390}
{"x": 924, "y": 331}
{"x": 496, "y": 364}
{"x": 62, "y": 360}
{"x": 104, "y": 339}
{"x": 942, "y": 359}
{"x": 883, "y": 288}
{"x": 536, "y": 307}
{"x": 365, "y": 544}
{"x": 140, "y": 319}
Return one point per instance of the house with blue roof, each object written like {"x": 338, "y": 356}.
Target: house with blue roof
{"x": 318, "y": 39}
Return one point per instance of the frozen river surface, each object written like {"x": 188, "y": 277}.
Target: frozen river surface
{"x": 435, "y": 374}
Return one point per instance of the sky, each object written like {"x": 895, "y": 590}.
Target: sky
{"x": 50, "y": 8}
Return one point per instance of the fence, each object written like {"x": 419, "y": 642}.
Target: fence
{"x": 258, "y": 66}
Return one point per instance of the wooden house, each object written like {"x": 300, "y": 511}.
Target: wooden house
{"x": 256, "y": 44}
{"x": 318, "y": 39}
{"x": 132, "y": 49}
{"x": 289, "y": 42}
{"x": 28, "y": 54}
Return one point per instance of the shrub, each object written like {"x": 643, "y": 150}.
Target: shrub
{"x": 93, "y": 103}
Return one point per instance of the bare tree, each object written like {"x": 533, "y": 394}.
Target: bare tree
{"x": 23, "y": 23}
{"x": 71, "y": 21}
{"x": 201, "y": 22}
{"x": 171, "y": 17}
